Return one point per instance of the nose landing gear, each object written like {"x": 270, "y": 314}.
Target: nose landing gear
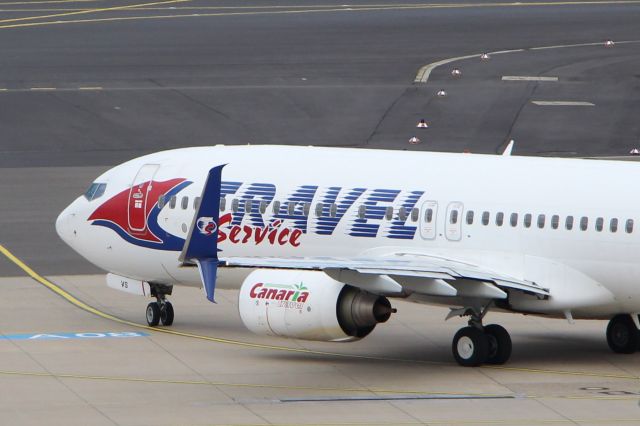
{"x": 160, "y": 311}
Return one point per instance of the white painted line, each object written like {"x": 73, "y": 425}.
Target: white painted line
{"x": 42, "y": 88}
{"x": 527, "y": 78}
{"x": 562, "y": 103}
{"x": 90, "y": 88}
{"x": 425, "y": 71}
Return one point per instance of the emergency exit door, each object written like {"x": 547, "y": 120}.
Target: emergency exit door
{"x": 453, "y": 226}
{"x": 138, "y": 197}
{"x": 429, "y": 220}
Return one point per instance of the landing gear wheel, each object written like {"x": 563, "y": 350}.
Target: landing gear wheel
{"x": 153, "y": 314}
{"x": 166, "y": 314}
{"x": 470, "y": 347}
{"x": 499, "y": 344}
{"x": 623, "y": 336}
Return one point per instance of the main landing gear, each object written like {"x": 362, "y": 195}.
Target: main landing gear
{"x": 477, "y": 344}
{"x": 623, "y": 336}
{"x": 160, "y": 311}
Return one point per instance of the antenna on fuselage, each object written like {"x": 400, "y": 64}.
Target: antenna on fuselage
{"x": 509, "y": 148}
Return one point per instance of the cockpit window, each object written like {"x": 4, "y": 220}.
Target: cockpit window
{"x": 96, "y": 190}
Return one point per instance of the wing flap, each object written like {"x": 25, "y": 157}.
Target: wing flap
{"x": 487, "y": 283}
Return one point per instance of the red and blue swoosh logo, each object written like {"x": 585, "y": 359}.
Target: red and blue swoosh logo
{"x": 114, "y": 214}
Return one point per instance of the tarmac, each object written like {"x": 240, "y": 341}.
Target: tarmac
{"x": 59, "y": 366}
{"x": 85, "y": 85}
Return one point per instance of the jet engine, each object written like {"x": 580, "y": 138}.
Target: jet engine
{"x": 308, "y": 305}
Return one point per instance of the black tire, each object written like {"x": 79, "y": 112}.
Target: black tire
{"x": 166, "y": 314}
{"x": 499, "y": 344}
{"x": 623, "y": 336}
{"x": 470, "y": 347}
{"x": 153, "y": 314}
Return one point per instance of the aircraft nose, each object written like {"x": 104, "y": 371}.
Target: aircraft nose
{"x": 65, "y": 224}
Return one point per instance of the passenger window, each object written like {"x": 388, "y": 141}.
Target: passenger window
{"x": 527, "y": 220}
{"x": 196, "y": 203}
{"x": 319, "y": 208}
{"x": 541, "y": 220}
{"x": 485, "y": 218}
{"x": 306, "y": 207}
{"x": 513, "y": 220}
{"x": 555, "y": 221}
{"x": 291, "y": 208}
{"x": 263, "y": 206}
{"x": 584, "y": 223}
{"x": 499, "y": 218}
{"x": 628, "y": 227}
{"x": 415, "y": 214}
{"x": 599, "y": 224}
{"x": 453, "y": 217}
{"x": 234, "y": 205}
{"x": 402, "y": 214}
{"x": 568, "y": 224}
{"x": 333, "y": 211}
{"x": 161, "y": 202}
{"x": 470, "y": 217}
{"x": 613, "y": 225}
{"x": 428, "y": 215}
{"x": 362, "y": 211}
{"x": 172, "y": 202}
{"x": 388, "y": 213}
{"x": 248, "y": 205}
{"x": 185, "y": 203}
{"x": 276, "y": 207}
{"x": 223, "y": 203}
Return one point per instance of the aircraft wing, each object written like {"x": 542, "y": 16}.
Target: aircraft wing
{"x": 438, "y": 275}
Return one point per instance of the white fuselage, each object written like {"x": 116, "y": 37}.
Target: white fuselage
{"x": 414, "y": 202}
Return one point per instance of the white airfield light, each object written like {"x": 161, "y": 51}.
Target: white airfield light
{"x": 634, "y": 151}
{"x": 609, "y": 43}
{"x": 414, "y": 141}
{"x": 456, "y": 73}
{"x": 422, "y": 124}
{"x": 485, "y": 57}
{"x": 441, "y": 93}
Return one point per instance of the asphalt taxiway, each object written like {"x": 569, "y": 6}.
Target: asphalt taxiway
{"x": 86, "y": 84}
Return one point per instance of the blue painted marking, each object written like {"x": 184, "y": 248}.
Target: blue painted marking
{"x": 66, "y": 336}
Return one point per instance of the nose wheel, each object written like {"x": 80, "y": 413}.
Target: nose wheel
{"x": 160, "y": 313}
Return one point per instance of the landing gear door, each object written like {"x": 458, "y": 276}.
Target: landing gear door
{"x": 138, "y": 195}
{"x": 429, "y": 220}
{"x": 453, "y": 221}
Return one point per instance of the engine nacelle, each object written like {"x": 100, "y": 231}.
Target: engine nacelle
{"x": 308, "y": 305}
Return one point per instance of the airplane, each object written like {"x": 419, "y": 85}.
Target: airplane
{"x": 319, "y": 239}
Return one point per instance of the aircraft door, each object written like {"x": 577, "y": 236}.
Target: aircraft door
{"x": 429, "y": 220}
{"x": 138, "y": 194}
{"x": 453, "y": 226}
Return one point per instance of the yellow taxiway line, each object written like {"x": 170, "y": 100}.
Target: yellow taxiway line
{"x": 82, "y": 305}
{"x": 289, "y": 10}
